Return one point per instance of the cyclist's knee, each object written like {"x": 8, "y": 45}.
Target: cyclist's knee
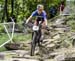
{"x": 44, "y": 25}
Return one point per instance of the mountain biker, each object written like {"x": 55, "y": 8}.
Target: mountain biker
{"x": 39, "y": 13}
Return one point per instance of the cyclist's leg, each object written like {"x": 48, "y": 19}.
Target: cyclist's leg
{"x": 36, "y": 22}
{"x": 43, "y": 31}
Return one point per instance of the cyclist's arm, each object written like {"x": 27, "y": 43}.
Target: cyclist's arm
{"x": 33, "y": 14}
{"x": 45, "y": 18}
{"x": 29, "y": 19}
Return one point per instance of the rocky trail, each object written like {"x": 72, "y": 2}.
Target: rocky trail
{"x": 57, "y": 46}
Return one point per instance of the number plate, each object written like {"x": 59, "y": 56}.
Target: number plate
{"x": 35, "y": 28}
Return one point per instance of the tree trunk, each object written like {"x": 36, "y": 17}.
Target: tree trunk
{"x": 12, "y": 7}
{"x": 5, "y": 12}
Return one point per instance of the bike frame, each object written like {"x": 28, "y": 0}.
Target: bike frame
{"x": 36, "y": 35}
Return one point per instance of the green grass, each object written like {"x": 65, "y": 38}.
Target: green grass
{"x": 21, "y": 37}
{"x": 17, "y": 37}
{"x": 71, "y": 23}
{"x": 3, "y": 38}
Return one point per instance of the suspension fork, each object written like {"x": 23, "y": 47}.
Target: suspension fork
{"x": 34, "y": 34}
{"x": 38, "y": 37}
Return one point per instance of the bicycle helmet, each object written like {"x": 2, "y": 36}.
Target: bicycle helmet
{"x": 40, "y": 6}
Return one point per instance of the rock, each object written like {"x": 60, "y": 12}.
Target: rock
{"x": 60, "y": 29}
{"x": 57, "y": 42}
{"x": 49, "y": 60}
{"x": 60, "y": 57}
{"x": 21, "y": 52}
{"x": 58, "y": 46}
{"x": 35, "y": 57}
{"x": 20, "y": 59}
{"x": 54, "y": 54}
{"x": 73, "y": 43}
{"x": 15, "y": 60}
{"x": 48, "y": 40}
{"x": 50, "y": 46}
{"x": 60, "y": 21}
{"x": 56, "y": 37}
{"x": 45, "y": 44}
{"x": 13, "y": 46}
{"x": 60, "y": 26}
{"x": 2, "y": 56}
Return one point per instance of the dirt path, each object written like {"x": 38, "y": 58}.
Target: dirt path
{"x": 55, "y": 48}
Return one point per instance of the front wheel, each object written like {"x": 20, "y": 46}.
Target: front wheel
{"x": 33, "y": 44}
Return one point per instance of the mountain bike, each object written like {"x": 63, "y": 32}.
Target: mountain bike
{"x": 36, "y": 35}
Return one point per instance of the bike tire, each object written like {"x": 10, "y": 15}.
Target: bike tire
{"x": 33, "y": 44}
{"x": 38, "y": 38}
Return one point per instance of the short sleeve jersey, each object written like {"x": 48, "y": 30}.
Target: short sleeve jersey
{"x": 43, "y": 14}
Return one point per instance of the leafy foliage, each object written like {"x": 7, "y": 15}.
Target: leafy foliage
{"x": 24, "y": 8}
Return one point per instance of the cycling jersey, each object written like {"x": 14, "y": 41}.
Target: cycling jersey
{"x": 43, "y": 14}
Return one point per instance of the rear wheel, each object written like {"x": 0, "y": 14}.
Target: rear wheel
{"x": 33, "y": 44}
